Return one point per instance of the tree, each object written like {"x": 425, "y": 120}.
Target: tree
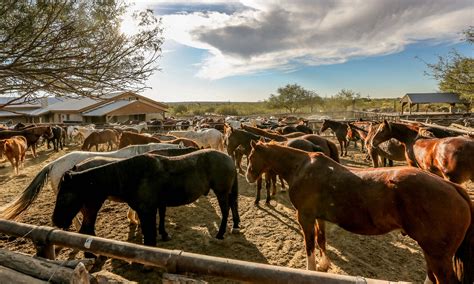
{"x": 292, "y": 98}
{"x": 455, "y": 73}
{"x": 180, "y": 109}
{"x": 346, "y": 98}
{"x": 74, "y": 48}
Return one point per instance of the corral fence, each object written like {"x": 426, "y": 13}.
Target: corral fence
{"x": 174, "y": 261}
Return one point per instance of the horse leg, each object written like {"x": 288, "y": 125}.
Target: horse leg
{"x": 341, "y": 144}
{"x": 440, "y": 269}
{"x": 283, "y": 188}
{"x": 238, "y": 162}
{"x": 224, "y": 205}
{"x": 273, "y": 180}
{"x": 320, "y": 228}
{"x": 148, "y": 224}
{"x": 308, "y": 226}
{"x": 89, "y": 218}
{"x": 259, "y": 188}
{"x": 267, "y": 187}
{"x": 33, "y": 150}
{"x": 161, "y": 227}
{"x": 346, "y": 143}
{"x": 132, "y": 216}
{"x": 234, "y": 206}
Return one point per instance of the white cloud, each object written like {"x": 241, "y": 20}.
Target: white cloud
{"x": 287, "y": 33}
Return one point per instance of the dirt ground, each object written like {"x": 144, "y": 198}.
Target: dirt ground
{"x": 269, "y": 234}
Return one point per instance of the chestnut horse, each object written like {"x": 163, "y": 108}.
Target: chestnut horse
{"x": 374, "y": 202}
{"x": 15, "y": 149}
{"x": 450, "y": 158}
{"x": 32, "y": 135}
{"x": 108, "y": 136}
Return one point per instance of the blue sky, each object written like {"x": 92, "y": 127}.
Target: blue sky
{"x": 244, "y": 51}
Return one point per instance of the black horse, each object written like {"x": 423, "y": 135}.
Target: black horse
{"x": 148, "y": 183}
{"x": 58, "y": 139}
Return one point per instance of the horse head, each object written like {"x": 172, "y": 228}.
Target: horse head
{"x": 256, "y": 162}
{"x": 68, "y": 201}
{"x": 382, "y": 133}
{"x": 324, "y": 126}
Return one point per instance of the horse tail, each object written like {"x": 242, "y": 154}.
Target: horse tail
{"x": 333, "y": 151}
{"x": 464, "y": 256}
{"x": 21, "y": 203}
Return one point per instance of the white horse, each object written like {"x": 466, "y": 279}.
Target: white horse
{"x": 204, "y": 138}
{"x": 139, "y": 127}
{"x": 56, "y": 169}
{"x": 84, "y": 131}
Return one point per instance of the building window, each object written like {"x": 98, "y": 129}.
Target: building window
{"x": 68, "y": 117}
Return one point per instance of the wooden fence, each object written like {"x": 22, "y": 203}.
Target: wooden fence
{"x": 174, "y": 261}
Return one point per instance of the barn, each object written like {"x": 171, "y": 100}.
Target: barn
{"x": 415, "y": 99}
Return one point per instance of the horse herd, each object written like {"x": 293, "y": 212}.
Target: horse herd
{"x": 424, "y": 200}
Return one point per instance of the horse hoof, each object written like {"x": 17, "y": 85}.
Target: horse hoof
{"x": 165, "y": 238}
{"x": 235, "y": 230}
{"x": 220, "y": 237}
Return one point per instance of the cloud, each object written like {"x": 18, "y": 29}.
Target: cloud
{"x": 286, "y": 34}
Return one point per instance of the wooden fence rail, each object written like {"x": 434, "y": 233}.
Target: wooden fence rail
{"x": 174, "y": 261}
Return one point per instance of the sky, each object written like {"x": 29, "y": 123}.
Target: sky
{"x": 245, "y": 50}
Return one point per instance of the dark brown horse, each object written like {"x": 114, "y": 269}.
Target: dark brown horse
{"x": 265, "y": 133}
{"x": 106, "y": 136}
{"x": 340, "y": 129}
{"x": 32, "y": 135}
{"x": 451, "y": 158}
{"x": 149, "y": 183}
{"x": 375, "y": 202}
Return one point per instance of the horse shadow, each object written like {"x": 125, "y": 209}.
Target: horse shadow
{"x": 187, "y": 224}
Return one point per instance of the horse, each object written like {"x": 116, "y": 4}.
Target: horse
{"x": 14, "y": 149}
{"x": 149, "y": 183}
{"x": 206, "y": 138}
{"x": 374, "y": 202}
{"x": 270, "y": 179}
{"x": 391, "y": 150}
{"x": 32, "y": 135}
{"x": 58, "y": 139}
{"x": 101, "y": 137}
{"x": 450, "y": 158}
{"x": 340, "y": 129}
{"x": 84, "y": 131}
{"x": 164, "y": 137}
{"x": 130, "y": 138}
{"x": 56, "y": 169}
{"x": 100, "y": 161}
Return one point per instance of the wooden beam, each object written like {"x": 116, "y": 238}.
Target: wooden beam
{"x": 35, "y": 267}
{"x": 11, "y": 276}
{"x": 176, "y": 261}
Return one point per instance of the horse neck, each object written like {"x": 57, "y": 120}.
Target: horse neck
{"x": 404, "y": 133}
{"x": 285, "y": 161}
{"x": 334, "y": 125}
{"x": 407, "y": 136}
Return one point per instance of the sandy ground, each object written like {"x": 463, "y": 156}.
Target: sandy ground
{"x": 270, "y": 234}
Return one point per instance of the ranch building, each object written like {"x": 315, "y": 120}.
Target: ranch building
{"x": 114, "y": 108}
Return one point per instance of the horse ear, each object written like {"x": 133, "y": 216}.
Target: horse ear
{"x": 262, "y": 139}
